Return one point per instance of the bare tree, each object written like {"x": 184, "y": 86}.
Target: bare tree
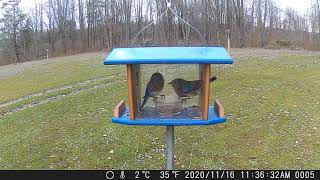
{"x": 72, "y": 26}
{"x": 12, "y": 19}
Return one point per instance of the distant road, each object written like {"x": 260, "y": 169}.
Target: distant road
{"x": 13, "y": 69}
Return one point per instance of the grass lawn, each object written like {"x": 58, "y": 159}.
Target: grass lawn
{"x": 37, "y": 76}
{"x": 272, "y": 107}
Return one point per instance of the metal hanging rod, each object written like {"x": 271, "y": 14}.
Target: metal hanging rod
{"x": 169, "y": 8}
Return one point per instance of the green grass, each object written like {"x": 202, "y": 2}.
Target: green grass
{"x": 59, "y": 72}
{"x": 58, "y": 92}
{"x": 272, "y": 107}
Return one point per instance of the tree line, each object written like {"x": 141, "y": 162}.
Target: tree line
{"x": 63, "y": 27}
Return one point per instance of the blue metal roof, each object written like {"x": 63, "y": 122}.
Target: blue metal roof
{"x": 169, "y": 55}
{"x": 212, "y": 119}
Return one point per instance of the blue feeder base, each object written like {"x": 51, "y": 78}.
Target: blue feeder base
{"x": 212, "y": 119}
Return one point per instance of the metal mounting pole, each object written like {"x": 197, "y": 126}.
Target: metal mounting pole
{"x": 170, "y": 147}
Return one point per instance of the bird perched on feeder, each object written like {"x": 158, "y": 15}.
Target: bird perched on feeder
{"x": 154, "y": 87}
{"x": 148, "y": 44}
{"x": 184, "y": 88}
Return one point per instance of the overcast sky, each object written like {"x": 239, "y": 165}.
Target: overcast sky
{"x": 299, "y": 5}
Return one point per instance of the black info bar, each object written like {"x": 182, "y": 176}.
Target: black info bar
{"x": 159, "y": 174}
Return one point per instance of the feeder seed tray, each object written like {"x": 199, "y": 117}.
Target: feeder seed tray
{"x": 168, "y": 105}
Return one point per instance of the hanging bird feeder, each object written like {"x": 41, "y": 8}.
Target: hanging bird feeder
{"x": 168, "y": 108}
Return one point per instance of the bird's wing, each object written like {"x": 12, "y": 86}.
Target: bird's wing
{"x": 191, "y": 86}
{"x": 148, "y": 90}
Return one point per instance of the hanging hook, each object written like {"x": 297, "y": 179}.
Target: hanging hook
{"x": 168, "y": 3}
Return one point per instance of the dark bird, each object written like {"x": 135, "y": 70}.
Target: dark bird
{"x": 184, "y": 88}
{"x": 147, "y": 44}
{"x": 154, "y": 87}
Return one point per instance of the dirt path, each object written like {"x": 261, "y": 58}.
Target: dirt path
{"x": 14, "y": 69}
{"x": 46, "y": 92}
{"x": 56, "y": 97}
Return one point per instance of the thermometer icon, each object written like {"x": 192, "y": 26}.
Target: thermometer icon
{"x": 122, "y": 176}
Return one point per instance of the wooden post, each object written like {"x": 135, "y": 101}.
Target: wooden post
{"x": 219, "y": 108}
{"x": 137, "y": 84}
{"x": 201, "y": 73}
{"x": 131, "y": 91}
{"x": 205, "y": 73}
{"x": 137, "y": 89}
{"x": 205, "y": 90}
{"x": 228, "y": 34}
{"x": 119, "y": 109}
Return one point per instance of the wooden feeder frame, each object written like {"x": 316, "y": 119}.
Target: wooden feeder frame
{"x": 134, "y": 89}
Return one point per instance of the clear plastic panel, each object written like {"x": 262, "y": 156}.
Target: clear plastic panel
{"x": 167, "y": 103}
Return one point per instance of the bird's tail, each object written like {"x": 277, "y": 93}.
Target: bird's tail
{"x": 213, "y": 78}
{"x": 145, "y": 99}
